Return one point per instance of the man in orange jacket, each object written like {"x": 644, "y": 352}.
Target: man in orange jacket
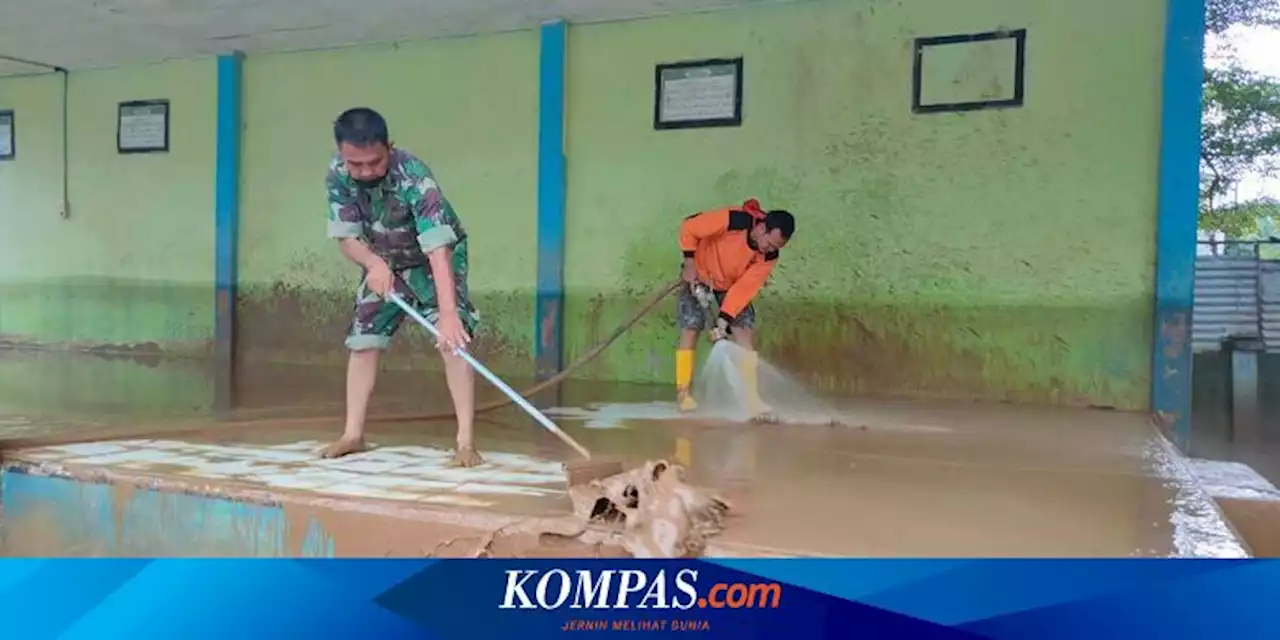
{"x": 731, "y": 253}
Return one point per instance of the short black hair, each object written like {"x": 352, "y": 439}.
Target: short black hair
{"x": 781, "y": 220}
{"x": 360, "y": 127}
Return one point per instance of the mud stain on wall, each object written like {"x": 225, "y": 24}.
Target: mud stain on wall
{"x": 298, "y": 325}
{"x": 1069, "y": 356}
{"x": 988, "y": 254}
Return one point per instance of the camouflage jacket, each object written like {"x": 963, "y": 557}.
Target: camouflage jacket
{"x": 402, "y": 219}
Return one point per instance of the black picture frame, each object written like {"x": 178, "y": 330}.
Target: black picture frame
{"x": 120, "y": 112}
{"x": 1019, "y": 36}
{"x": 13, "y": 135}
{"x": 732, "y": 121}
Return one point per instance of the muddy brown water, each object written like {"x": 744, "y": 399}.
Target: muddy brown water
{"x": 911, "y": 479}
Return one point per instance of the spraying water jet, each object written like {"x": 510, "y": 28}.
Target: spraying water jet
{"x": 724, "y": 390}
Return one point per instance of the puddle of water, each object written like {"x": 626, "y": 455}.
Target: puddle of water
{"x": 1199, "y": 529}
{"x": 922, "y": 478}
{"x": 618, "y": 414}
{"x": 1232, "y": 480}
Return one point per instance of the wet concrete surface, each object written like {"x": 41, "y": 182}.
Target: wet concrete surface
{"x": 905, "y": 479}
{"x": 1258, "y": 522}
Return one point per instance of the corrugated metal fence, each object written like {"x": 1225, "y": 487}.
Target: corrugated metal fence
{"x": 1237, "y": 294}
{"x": 1269, "y": 303}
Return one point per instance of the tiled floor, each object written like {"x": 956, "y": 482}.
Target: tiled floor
{"x": 407, "y": 472}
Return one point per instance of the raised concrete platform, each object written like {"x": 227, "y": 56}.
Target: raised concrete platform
{"x": 165, "y": 497}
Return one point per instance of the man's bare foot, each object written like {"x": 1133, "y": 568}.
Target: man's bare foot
{"x": 466, "y": 457}
{"x": 344, "y": 446}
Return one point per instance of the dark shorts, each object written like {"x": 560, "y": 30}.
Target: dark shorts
{"x": 377, "y": 320}
{"x": 690, "y": 315}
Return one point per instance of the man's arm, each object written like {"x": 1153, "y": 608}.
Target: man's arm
{"x": 708, "y": 224}
{"x": 344, "y": 221}
{"x": 701, "y": 226}
{"x": 436, "y": 238}
{"x": 440, "y": 261}
{"x": 745, "y": 289}
{"x": 355, "y": 250}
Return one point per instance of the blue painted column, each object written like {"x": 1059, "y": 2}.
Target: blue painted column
{"x": 549, "y": 312}
{"x": 1176, "y": 217}
{"x": 226, "y": 223}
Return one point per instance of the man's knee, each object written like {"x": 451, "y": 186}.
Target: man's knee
{"x": 690, "y": 328}
{"x": 454, "y": 363}
{"x": 745, "y": 320}
{"x": 688, "y": 338}
{"x": 367, "y": 345}
{"x": 743, "y": 328}
{"x": 691, "y": 320}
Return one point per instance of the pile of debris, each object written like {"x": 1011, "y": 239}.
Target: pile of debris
{"x": 650, "y": 512}
{"x": 658, "y": 514}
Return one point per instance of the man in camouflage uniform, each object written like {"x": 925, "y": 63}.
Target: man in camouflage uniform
{"x": 390, "y": 218}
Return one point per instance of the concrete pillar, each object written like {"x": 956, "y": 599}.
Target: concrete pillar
{"x": 552, "y": 187}
{"x": 1176, "y": 217}
{"x": 226, "y": 224}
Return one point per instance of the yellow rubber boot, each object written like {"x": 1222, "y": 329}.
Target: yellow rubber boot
{"x": 684, "y": 380}
{"x": 684, "y": 452}
{"x": 749, "y": 367}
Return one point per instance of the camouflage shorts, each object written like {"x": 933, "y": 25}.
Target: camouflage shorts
{"x": 690, "y": 315}
{"x": 376, "y": 320}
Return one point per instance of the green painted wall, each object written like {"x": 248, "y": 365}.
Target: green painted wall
{"x": 44, "y": 383}
{"x": 466, "y": 106}
{"x": 134, "y": 263}
{"x": 1001, "y": 254}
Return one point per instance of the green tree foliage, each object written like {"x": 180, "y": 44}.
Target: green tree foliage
{"x": 1249, "y": 219}
{"x": 1240, "y": 130}
{"x": 1221, "y": 15}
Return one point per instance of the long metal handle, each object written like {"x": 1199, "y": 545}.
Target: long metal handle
{"x": 461, "y": 352}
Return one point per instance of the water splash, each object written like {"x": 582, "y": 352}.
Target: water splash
{"x": 722, "y": 395}
{"x": 613, "y": 415}
{"x": 721, "y": 390}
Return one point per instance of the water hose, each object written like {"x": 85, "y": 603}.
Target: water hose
{"x": 643, "y": 310}
{"x": 136, "y": 432}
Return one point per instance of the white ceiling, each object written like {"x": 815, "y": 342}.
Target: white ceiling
{"x": 79, "y": 34}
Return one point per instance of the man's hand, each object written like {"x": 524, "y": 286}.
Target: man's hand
{"x": 452, "y": 335}
{"x": 703, "y": 295}
{"x": 720, "y": 331}
{"x": 378, "y": 276}
{"x": 690, "y": 272}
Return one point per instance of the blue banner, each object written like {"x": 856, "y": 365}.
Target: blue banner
{"x": 530, "y": 599}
